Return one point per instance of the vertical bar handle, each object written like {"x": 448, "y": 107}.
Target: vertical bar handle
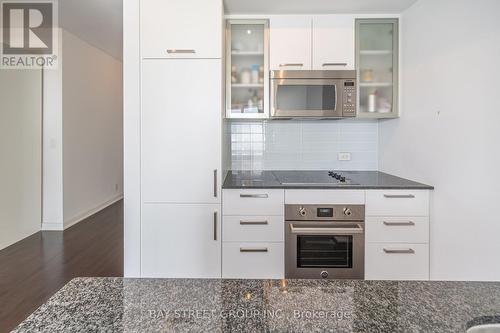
{"x": 215, "y": 225}
{"x": 215, "y": 183}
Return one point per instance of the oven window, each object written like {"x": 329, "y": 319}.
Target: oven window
{"x": 324, "y": 251}
{"x": 305, "y": 97}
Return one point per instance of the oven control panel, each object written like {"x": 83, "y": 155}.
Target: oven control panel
{"x": 349, "y": 98}
{"x": 324, "y": 212}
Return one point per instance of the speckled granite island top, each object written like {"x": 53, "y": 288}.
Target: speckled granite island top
{"x": 319, "y": 180}
{"x": 183, "y": 305}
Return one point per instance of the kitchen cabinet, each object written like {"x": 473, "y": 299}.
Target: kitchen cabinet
{"x": 252, "y": 260}
{"x": 181, "y": 130}
{"x": 333, "y": 42}
{"x": 181, "y": 241}
{"x": 181, "y": 29}
{"x": 396, "y": 261}
{"x": 253, "y": 234}
{"x": 377, "y": 63}
{"x": 247, "y": 69}
{"x": 290, "y": 42}
{"x": 397, "y": 235}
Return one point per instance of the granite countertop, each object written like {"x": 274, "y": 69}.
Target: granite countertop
{"x": 195, "y": 305}
{"x": 358, "y": 180}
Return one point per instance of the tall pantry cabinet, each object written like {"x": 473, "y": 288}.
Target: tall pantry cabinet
{"x": 180, "y": 138}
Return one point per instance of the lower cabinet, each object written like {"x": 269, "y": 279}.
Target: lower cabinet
{"x": 397, "y": 235}
{"x": 396, "y": 261}
{"x": 181, "y": 241}
{"x": 253, "y": 234}
{"x": 253, "y": 260}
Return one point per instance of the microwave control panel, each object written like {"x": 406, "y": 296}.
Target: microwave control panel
{"x": 349, "y": 102}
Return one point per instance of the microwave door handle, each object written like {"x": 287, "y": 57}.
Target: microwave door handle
{"x": 326, "y": 230}
{"x": 336, "y": 99}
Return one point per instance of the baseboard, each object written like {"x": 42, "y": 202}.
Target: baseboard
{"x": 52, "y": 226}
{"x": 71, "y": 222}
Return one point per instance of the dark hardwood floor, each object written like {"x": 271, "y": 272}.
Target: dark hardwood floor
{"x": 35, "y": 268}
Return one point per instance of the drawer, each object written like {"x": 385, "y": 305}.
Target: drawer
{"x": 253, "y": 228}
{"x": 253, "y": 261}
{"x": 324, "y": 197}
{"x": 397, "y": 229}
{"x": 254, "y": 202}
{"x": 397, "y": 203}
{"x": 394, "y": 261}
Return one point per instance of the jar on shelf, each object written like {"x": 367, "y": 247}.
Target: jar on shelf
{"x": 245, "y": 76}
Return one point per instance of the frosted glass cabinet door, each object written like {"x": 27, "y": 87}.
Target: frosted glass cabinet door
{"x": 247, "y": 69}
{"x": 377, "y": 64}
{"x": 181, "y": 130}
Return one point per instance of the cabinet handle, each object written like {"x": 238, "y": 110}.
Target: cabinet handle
{"x": 254, "y": 249}
{"x": 215, "y": 183}
{"x": 409, "y": 223}
{"x": 399, "y": 251}
{"x": 399, "y": 196}
{"x": 181, "y": 51}
{"x": 260, "y": 196}
{"x": 253, "y": 222}
{"x": 215, "y": 226}
{"x": 335, "y": 64}
{"x": 290, "y": 65}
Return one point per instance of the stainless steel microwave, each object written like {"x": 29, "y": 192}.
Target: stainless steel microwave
{"x": 313, "y": 94}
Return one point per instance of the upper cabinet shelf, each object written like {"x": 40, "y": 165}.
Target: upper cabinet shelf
{"x": 247, "y": 69}
{"x": 377, "y": 65}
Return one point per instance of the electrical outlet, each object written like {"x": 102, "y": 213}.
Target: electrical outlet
{"x": 344, "y": 156}
{"x": 116, "y": 188}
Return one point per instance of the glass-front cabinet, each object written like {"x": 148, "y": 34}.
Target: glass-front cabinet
{"x": 377, "y": 64}
{"x": 247, "y": 69}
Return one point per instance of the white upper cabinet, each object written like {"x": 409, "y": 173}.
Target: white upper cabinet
{"x": 181, "y": 28}
{"x": 333, "y": 42}
{"x": 181, "y": 130}
{"x": 290, "y": 42}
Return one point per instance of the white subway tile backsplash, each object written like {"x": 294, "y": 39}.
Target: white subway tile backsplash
{"x": 303, "y": 145}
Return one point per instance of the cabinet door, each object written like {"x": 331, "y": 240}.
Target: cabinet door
{"x": 290, "y": 42}
{"x": 181, "y": 28}
{"x": 181, "y": 130}
{"x": 181, "y": 241}
{"x": 333, "y": 42}
{"x": 377, "y": 55}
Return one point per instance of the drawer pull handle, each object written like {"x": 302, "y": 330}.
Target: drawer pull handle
{"x": 399, "y": 251}
{"x": 335, "y": 64}
{"x": 409, "y": 223}
{"x": 292, "y": 64}
{"x": 253, "y": 222}
{"x": 399, "y": 196}
{"x": 253, "y": 249}
{"x": 181, "y": 51}
{"x": 259, "y": 196}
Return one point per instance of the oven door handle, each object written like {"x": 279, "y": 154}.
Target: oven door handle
{"x": 326, "y": 230}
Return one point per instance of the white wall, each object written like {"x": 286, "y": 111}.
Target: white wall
{"x": 449, "y": 132}
{"x": 20, "y": 151}
{"x": 302, "y": 145}
{"x": 83, "y": 133}
{"x": 52, "y": 218}
{"x": 92, "y": 129}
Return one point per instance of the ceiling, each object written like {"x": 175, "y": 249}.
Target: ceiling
{"x": 315, "y": 6}
{"x": 98, "y": 22}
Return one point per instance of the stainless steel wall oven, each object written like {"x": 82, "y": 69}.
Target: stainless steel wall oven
{"x": 324, "y": 241}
